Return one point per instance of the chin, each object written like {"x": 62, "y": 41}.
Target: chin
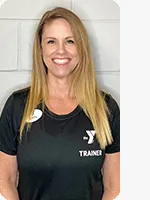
{"x": 58, "y": 73}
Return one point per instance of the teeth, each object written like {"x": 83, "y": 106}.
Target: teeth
{"x": 61, "y": 61}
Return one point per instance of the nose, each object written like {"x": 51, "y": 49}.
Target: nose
{"x": 61, "y": 47}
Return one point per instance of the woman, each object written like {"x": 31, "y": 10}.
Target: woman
{"x": 62, "y": 133}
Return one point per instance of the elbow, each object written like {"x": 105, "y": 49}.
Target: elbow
{"x": 112, "y": 191}
{"x": 115, "y": 193}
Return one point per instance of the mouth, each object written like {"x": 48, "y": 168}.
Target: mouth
{"x": 61, "y": 61}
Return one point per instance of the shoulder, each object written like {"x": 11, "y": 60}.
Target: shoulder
{"x": 16, "y": 100}
{"x": 21, "y": 94}
{"x": 110, "y": 101}
{"x": 114, "y": 122}
{"x": 10, "y": 121}
{"x": 112, "y": 105}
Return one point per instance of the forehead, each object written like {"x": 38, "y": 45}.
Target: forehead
{"x": 58, "y": 27}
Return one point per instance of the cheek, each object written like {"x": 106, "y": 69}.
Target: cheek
{"x": 75, "y": 54}
{"x": 47, "y": 52}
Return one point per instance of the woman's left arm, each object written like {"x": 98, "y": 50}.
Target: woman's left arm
{"x": 111, "y": 176}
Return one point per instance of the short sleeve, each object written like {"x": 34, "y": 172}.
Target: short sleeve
{"x": 114, "y": 121}
{"x": 8, "y": 134}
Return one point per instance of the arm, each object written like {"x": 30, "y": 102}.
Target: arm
{"x": 8, "y": 176}
{"x": 111, "y": 176}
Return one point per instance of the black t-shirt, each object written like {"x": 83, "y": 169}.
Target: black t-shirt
{"x": 60, "y": 158}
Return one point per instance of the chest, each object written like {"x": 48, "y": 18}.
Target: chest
{"x": 61, "y": 144}
{"x": 60, "y": 106}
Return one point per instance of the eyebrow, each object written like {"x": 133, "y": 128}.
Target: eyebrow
{"x": 56, "y": 38}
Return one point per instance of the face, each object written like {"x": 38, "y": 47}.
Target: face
{"x": 59, "y": 48}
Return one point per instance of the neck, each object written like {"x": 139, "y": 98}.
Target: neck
{"x": 59, "y": 88}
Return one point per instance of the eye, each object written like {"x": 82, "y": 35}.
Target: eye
{"x": 70, "y": 41}
{"x": 51, "y": 42}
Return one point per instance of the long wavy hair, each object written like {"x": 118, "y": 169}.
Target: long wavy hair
{"x": 83, "y": 78}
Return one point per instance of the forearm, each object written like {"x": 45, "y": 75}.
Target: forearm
{"x": 8, "y": 191}
{"x": 109, "y": 194}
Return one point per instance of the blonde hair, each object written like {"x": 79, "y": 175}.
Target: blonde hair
{"x": 83, "y": 78}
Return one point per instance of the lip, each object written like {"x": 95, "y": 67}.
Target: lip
{"x": 61, "y": 58}
{"x": 65, "y": 64}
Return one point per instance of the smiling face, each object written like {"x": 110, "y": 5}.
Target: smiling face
{"x": 59, "y": 49}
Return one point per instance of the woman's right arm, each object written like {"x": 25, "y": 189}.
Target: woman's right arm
{"x": 8, "y": 176}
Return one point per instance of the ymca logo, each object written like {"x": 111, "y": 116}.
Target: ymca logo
{"x": 91, "y": 135}
{"x": 90, "y": 140}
